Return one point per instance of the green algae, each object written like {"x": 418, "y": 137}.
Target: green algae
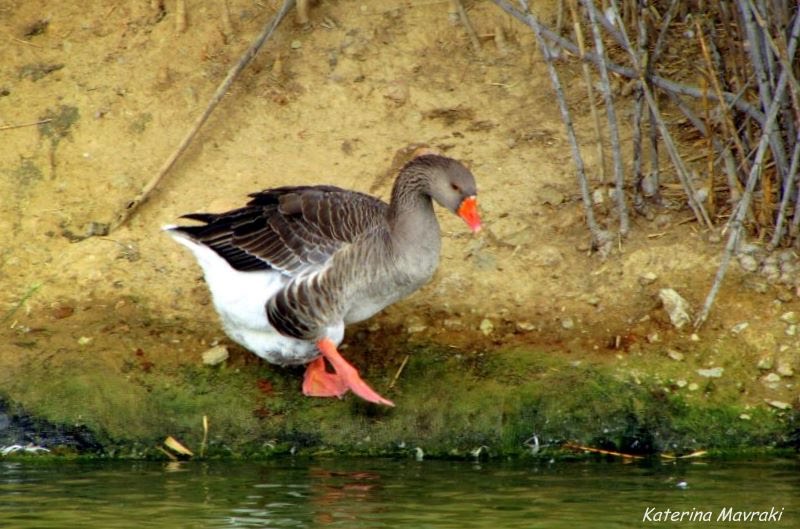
{"x": 449, "y": 405}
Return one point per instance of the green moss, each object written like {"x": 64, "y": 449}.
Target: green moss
{"x": 448, "y": 404}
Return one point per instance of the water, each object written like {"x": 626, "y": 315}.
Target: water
{"x": 356, "y": 494}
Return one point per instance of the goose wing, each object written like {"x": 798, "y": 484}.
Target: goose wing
{"x": 290, "y": 229}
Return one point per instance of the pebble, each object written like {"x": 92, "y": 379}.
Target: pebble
{"x": 486, "y": 326}
{"x": 647, "y": 278}
{"x": 415, "y": 325}
{"x": 771, "y": 378}
{"x": 748, "y": 263}
{"x": 296, "y": 44}
{"x": 714, "y": 372}
{"x": 675, "y": 355}
{"x": 567, "y": 323}
{"x": 790, "y": 317}
{"x": 681, "y": 383}
{"x": 452, "y": 324}
{"x": 677, "y": 308}
{"x": 791, "y": 330}
{"x": 765, "y": 363}
{"x": 785, "y": 370}
{"x": 739, "y": 327}
{"x": 694, "y": 386}
{"x": 525, "y": 326}
{"x": 779, "y": 404}
{"x": 84, "y": 340}
{"x": 745, "y": 417}
{"x": 216, "y": 355}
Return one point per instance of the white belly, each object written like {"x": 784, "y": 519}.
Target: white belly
{"x": 240, "y": 299}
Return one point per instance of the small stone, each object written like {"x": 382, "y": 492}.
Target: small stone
{"x": 647, "y": 278}
{"x": 567, "y": 323}
{"x": 452, "y": 324}
{"x": 415, "y": 328}
{"x": 677, "y": 308}
{"x": 779, "y": 404}
{"x": 415, "y": 325}
{"x": 525, "y": 326}
{"x": 739, "y": 327}
{"x": 598, "y": 197}
{"x": 791, "y": 330}
{"x": 653, "y": 337}
{"x": 215, "y": 356}
{"x": 785, "y": 296}
{"x": 675, "y": 355}
{"x": 748, "y": 263}
{"x": 296, "y": 44}
{"x": 593, "y": 301}
{"x": 84, "y": 340}
{"x": 681, "y": 383}
{"x": 744, "y": 417}
{"x": 486, "y": 327}
{"x": 694, "y": 337}
{"x": 714, "y": 372}
{"x": 790, "y": 317}
{"x": 765, "y": 363}
{"x": 771, "y": 378}
{"x": 694, "y": 386}
{"x": 785, "y": 370}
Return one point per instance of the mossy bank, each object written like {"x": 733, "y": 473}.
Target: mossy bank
{"x": 449, "y": 404}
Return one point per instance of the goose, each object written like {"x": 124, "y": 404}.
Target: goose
{"x": 290, "y": 269}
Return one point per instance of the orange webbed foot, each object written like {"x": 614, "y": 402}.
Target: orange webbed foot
{"x": 317, "y": 382}
{"x": 347, "y": 374}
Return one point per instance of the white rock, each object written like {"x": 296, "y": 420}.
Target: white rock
{"x": 647, "y": 278}
{"x": 771, "y": 378}
{"x": 785, "y": 369}
{"x": 216, "y": 355}
{"x": 739, "y": 327}
{"x": 675, "y": 355}
{"x": 677, "y": 308}
{"x": 525, "y": 326}
{"x": 779, "y": 404}
{"x": 765, "y": 363}
{"x": 486, "y": 326}
{"x": 790, "y": 317}
{"x": 714, "y": 372}
{"x": 748, "y": 263}
{"x": 568, "y": 323}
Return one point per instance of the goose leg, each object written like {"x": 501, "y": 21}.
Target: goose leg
{"x": 317, "y": 382}
{"x": 347, "y": 374}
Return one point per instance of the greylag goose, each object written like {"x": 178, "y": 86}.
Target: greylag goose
{"x": 290, "y": 269}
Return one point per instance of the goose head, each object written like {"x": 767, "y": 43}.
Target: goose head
{"x": 452, "y": 186}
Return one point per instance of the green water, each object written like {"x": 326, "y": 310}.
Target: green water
{"x": 355, "y": 494}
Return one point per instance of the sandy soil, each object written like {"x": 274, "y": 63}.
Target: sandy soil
{"x": 338, "y": 102}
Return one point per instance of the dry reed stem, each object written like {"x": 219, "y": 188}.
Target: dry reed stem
{"x": 587, "y": 80}
{"x": 601, "y": 239}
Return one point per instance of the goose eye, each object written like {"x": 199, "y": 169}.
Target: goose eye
{"x": 454, "y": 187}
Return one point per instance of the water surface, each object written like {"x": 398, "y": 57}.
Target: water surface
{"x": 354, "y": 493}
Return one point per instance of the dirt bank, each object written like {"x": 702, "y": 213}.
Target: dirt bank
{"x": 522, "y": 331}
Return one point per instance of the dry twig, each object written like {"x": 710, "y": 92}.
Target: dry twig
{"x": 234, "y": 72}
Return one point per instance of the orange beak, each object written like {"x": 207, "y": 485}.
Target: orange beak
{"x": 468, "y": 210}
